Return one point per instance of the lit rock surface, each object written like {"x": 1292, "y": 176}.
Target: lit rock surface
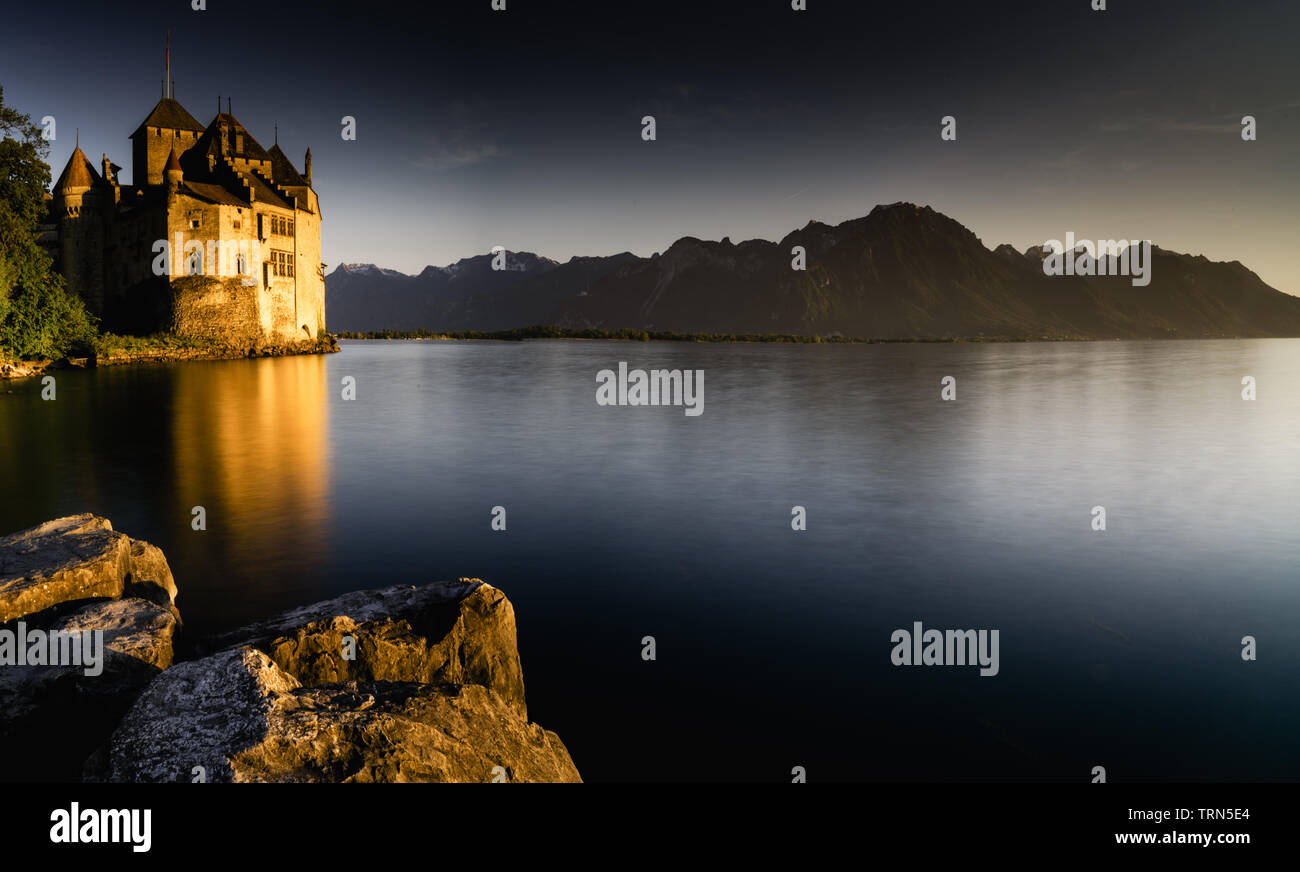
{"x": 431, "y": 690}
{"x": 452, "y": 632}
{"x": 75, "y": 558}
{"x": 241, "y": 717}
{"x": 399, "y": 684}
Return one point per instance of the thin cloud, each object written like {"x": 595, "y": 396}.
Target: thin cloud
{"x": 459, "y": 150}
{"x": 1217, "y": 124}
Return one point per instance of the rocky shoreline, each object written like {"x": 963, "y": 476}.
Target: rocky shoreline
{"x": 403, "y": 683}
{"x": 26, "y": 368}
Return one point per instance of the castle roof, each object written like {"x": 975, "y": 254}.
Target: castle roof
{"x": 169, "y": 115}
{"x": 265, "y": 193}
{"x": 283, "y": 171}
{"x": 210, "y": 141}
{"x": 172, "y": 162}
{"x": 79, "y": 173}
{"x": 213, "y": 193}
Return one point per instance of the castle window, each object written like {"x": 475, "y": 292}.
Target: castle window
{"x": 282, "y": 264}
{"x": 194, "y": 263}
{"x": 236, "y": 224}
{"x": 194, "y": 224}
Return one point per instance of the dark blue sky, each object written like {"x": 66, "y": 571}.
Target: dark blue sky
{"x": 522, "y": 128}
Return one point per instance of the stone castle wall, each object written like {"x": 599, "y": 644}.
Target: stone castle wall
{"x": 220, "y": 309}
{"x": 81, "y": 236}
{"x": 149, "y": 152}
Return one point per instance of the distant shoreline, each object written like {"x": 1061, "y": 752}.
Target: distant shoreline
{"x": 124, "y": 350}
{"x": 627, "y": 335}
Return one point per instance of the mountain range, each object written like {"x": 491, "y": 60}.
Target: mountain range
{"x": 901, "y": 272}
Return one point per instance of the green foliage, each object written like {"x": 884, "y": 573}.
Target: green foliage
{"x": 109, "y": 344}
{"x": 47, "y": 321}
{"x": 8, "y": 278}
{"x": 38, "y": 316}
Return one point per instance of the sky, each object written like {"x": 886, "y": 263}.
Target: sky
{"x": 522, "y": 128}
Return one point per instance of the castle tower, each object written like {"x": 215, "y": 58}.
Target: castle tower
{"x": 169, "y": 123}
{"x": 80, "y": 212}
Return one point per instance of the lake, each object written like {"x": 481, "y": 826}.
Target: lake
{"x": 1120, "y": 648}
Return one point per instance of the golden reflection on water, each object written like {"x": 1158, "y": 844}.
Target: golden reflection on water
{"x": 251, "y": 446}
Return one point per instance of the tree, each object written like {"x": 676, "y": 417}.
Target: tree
{"x": 38, "y": 316}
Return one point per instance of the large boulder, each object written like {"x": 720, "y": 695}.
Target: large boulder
{"x": 237, "y": 716}
{"x": 398, "y": 684}
{"x": 449, "y": 632}
{"x": 79, "y": 557}
{"x": 105, "y": 597}
{"x": 136, "y": 645}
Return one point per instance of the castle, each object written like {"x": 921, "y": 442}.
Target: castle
{"x": 215, "y": 237}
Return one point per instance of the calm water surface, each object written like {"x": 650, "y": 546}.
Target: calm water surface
{"x": 1119, "y": 648}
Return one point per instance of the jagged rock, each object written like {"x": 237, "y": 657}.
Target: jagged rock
{"x": 77, "y": 576}
{"x": 398, "y": 684}
{"x": 79, "y": 557}
{"x": 241, "y": 717}
{"x": 453, "y": 632}
{"x": 435, "y": 693}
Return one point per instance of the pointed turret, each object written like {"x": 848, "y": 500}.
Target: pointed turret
{"x": 78, "y": 176}
{"x": 79, "y": 205}
{"x": 173, "y": 170}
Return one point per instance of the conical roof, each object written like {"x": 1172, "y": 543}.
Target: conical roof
{"x": 79, "y": 173}
{"x": 172, "y": 162}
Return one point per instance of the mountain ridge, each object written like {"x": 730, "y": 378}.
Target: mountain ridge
{"x": 902, "y": 271}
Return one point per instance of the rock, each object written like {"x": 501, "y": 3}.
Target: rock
{"x": 453, "y": 632}
{"x": 435, "y": 693}
{"x": 76, "y": 575}
{"x": 14, "y": 369}
{"x": 195, "y": 717}
{"x": 135, "y": 630}
{"x": 137, "y": 645}
{"x": 76, "y": 558}
{"x": 398, "y": 684}
{"x": 241, "y": 718}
